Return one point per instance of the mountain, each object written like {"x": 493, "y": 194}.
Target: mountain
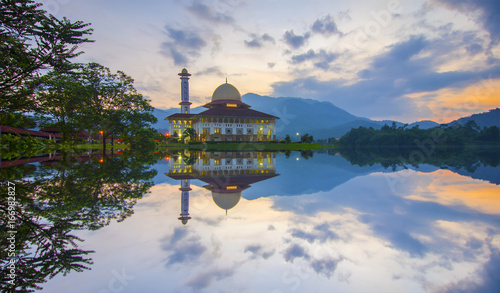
{"x": 486, "y": 119}
{"x": 424, "y": 124}
{"x": 319, "y": 119}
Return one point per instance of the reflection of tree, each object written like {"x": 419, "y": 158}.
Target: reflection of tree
{"x": 73, "y": 194}
{"x": 467, "y": 158}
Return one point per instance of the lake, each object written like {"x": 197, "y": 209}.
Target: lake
{"x": 261, "y": 222}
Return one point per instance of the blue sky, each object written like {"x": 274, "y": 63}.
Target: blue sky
{"x": 387, "y": 59}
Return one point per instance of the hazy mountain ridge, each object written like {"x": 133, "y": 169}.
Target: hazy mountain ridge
{"x": 320, "y": 119}
{"x": 486, "y": 119}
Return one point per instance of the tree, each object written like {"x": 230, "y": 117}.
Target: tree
{"x": 113, "y": 104}
{"x": 306, "y": 138}
{"x": 90, "y": 97}
{"x": 288, "y": 139}
{"x": 32, "y": 40}
{"x": 191, "y": 132}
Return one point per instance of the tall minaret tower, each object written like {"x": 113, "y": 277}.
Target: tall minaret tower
{"x": 185, "y": 104}
{"x": 185, "y": 188}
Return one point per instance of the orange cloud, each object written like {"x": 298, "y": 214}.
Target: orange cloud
{"x": 451, "y": 103}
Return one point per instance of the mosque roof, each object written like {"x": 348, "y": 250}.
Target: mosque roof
{"x": 180, "y": 115}
{"x": 226, "y": 91}
{"x": 235, "y": 112}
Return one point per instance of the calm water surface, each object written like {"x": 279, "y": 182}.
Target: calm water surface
{"x": 275, "y": 222}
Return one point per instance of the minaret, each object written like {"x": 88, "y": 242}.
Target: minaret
{"x": 185, "y": 104}
{"x": 185, "y": 188}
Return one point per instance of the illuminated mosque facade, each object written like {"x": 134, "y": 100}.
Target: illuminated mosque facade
{"x": 226, "y": 119}
{"x": 226, "y": 175}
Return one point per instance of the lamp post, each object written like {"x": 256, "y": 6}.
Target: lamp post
{"x": 297, "y": 136}
{"x": 103, "y": 142}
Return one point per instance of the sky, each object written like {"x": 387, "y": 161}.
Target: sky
{"x": 380, "y": 59}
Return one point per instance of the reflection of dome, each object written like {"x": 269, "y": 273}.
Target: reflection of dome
{"x": 225, "y": 200}
{"x": 226, "y": 91}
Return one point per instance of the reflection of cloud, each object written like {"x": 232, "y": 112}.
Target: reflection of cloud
{"x": 258, "y": 250}
{"x": 320, "y": 233}
{"x": 206, "y": 278}
{"x": 326, "y": 266}
{"x": 295, "y": 251}
{"x": 489, "y": 280}
{"x": 184, "y": 247}
{"x": 456, "y": 190}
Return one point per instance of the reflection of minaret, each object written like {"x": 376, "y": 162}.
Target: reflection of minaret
{"x": 226, "y": 175}
{"x": 185, "y": 104}
{"x": 185, "y": 188}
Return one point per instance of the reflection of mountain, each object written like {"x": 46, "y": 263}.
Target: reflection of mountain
{"x": 226, "y": 175}
{"x": 324, "y": 171}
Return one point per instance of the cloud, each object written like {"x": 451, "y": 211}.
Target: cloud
{"x": 295, "y": 41}
{"x": 271, "y": 65}
{"x": 258, "y": 41}
{"x": 404, "y": 68}
{"x": 215, "y": 70}
{"x": 326, "y": 26}
{"x": 205, "y": 12}
{"x": 181, "y": 45}
{"x": 489, "y": 12}
{"x": 322, "y": 58}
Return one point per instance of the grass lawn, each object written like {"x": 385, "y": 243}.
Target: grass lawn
{"x": 263, "y": 146}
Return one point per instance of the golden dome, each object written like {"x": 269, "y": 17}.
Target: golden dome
{"x": 226, "y": 91}
{"x": 226, "y": 201}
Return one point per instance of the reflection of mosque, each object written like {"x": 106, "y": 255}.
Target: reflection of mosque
{"x": 226, "y": 175}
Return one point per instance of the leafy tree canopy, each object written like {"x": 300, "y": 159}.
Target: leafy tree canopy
{"x": 32, "y": 40}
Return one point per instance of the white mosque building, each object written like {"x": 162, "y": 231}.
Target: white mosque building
{"x": 226, "y": 119}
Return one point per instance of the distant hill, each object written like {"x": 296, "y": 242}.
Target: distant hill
{"x": 424, "y": 124}
{"x": 486, "y": 119}
{"x": 320, "y": 119}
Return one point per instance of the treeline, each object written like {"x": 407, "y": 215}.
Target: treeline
{"x": 40, "y": 86}
{"x": 445, "y": 135}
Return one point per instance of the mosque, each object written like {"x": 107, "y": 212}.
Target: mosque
{"x": 227, "y": 117}
{"x": 226, "y": 175}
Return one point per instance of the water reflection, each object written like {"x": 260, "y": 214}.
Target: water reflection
{"x": 382, "y": 224}
{"x": 51, "y": 201}
{"x": 226, "y": 174}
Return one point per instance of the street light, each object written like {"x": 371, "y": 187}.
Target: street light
{"x": 297, "y": 136}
